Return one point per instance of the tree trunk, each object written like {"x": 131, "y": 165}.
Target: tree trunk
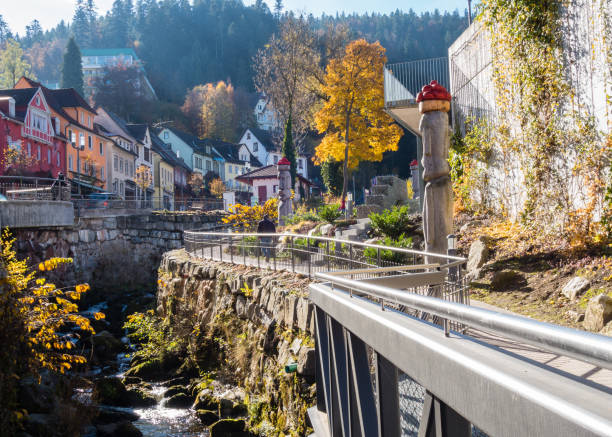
{"x": 347, "y": 125}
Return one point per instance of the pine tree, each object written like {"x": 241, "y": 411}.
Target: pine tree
{"x": 5, "y": 31}
{"x": 72, "y": 69}
{"x": 278, "y": 8}
{"x": 288, "y": 151}
{"x": 81, "y": 25}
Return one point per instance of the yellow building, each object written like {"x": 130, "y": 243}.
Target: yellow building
{"x": 163, "y": 177}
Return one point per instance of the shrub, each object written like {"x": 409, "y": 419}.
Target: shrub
{"x": 392, "y": 223}
{"x": 388, "y": 255}
{"x": 330, "y": 213}
{"x": 247, "y": 217}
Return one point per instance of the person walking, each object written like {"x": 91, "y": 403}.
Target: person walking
{"x": 266, "y": 226}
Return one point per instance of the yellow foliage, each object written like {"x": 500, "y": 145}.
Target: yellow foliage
{"x": 247, "y": 217}
{"x": 41, "y": 310}
{"x": 352, "y": 117}
{"x": 217, "y": 187}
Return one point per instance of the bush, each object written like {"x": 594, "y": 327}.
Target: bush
{"x": 332, "y": 174}
{"x": 330, "y": 213}
{"x": 392, "y": 223}
{"x": 388, "y": 255}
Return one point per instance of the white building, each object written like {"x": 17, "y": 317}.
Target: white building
{"x": 265, "y": 116}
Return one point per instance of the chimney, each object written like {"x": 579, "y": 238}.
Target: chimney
{"x": 11, "y": 107}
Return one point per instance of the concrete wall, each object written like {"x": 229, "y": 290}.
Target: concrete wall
{"x": 34, "y": 213}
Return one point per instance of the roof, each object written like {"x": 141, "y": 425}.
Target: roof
{"x": 138, "y": 131}
{"x": 166, "y": 153}
{"x": 69, "y": 98}
{"x": 22, "y": 96}
{"x": 109, "y": 52}
{"x": 123, "y": 131}
{"x": 101, "y": 130}
{"x": 184, "y": 136}
{"x": 230, "y": 152}
{"x": 264, "y": 137}
{"x": 267, "y": 172}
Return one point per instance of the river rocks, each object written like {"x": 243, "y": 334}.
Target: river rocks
{"x": 207, "y": 417}
{"x": 41, "y": 425}
{"x": 575, "y": 287}
{"x": 179, "y": 400}
{"x": 138, "y": 397}
{"x": 505, "y": 279}
{"x": 598, "y": 313}
{"x": 607, "y": 330}
{"x": 109, "y": 415}
{"x": 176, "y": 389}
{"x": 121, "y": 429}
{"x": 106, "y": 346}
{"x": 479, "y": 253}
{"x": 206, "y": 401}
{"x": 227, "y": 427}
{"x": 110, "y": 391}
{"x": 150, "y": 369}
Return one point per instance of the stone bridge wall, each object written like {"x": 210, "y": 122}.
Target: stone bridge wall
{"x": 115, "y": 250}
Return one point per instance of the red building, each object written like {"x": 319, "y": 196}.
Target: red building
{"x": 28, "y": 127}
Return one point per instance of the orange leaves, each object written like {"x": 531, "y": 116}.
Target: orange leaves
{"x": 353, "y": 115}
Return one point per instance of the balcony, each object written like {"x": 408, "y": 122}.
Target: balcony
{"x": 404, "y": 80}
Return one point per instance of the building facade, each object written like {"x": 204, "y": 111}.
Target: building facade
{"x": 144, "y": 156}
{"x": 265, "y": 115}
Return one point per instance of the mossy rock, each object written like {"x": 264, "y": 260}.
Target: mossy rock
{"x": 150, "y": 369}
{"x": 121, "y": 429}
{"x": 138, "y": 397}
{"x": 131, "y": 380}
{"x": 207, "y": 417}
{"x": 176, "y": 389}
{"x": 227, "y": 427}
{"x": 179, "y": 400}
{"x": 109, "y": 415}
{"x": 231, "y": 408}
{"x": 206, "y": 401}
{"x": 110, "y": 391}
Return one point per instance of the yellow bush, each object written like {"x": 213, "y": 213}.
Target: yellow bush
{"x": 247, "y": 217}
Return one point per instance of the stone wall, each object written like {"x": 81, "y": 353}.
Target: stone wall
{"x": 115, "y": 250}
{"x": 27, "y": 213}
{"x": 258, "y": 322}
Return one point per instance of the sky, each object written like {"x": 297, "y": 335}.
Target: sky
{"x": 18, "y": 13}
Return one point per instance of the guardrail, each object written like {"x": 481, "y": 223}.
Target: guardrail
{"x": 33, "y": 188}
{"x": 154, "y": 203}
{"x": 404, "y": 80}
{"x": 382, "y": 373}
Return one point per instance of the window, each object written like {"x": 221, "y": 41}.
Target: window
{"x": 275, "y": 188}
{"x": 229, "y": 170}
{"x": 165, "y": 135}
{"x": 102, "y": 175}
{"x": 82, "y": 139}
{"x": 70, "y": 137}
{"x": 101, "y": 149}
{"x": 29, "y": 149}
{"x": 146, "y": 155}
{"x": 37, "y": 100}
{"x": 82, "y": 118}
{"x": 208, "y": 165}
{"x": 248, "y": 135}
{"x": 275, "y": 159}
{"x": 197, "y": 162}
{"x": 58, "y": 158}
{"x": 38, "y": 153}
{"x": 89, "y": 142}
{"x": 115, "y": 163}
{"x": 300, "y": 164}
{"x": 131, "y": 169}
{"x": 255, "y": 146}
{"x": 88, "y": 121}
{"x": 121, "y": 165}
{"x": 208, "y": 149}
{"x": 49, "y": 156}
{"x": 69, "y": 162}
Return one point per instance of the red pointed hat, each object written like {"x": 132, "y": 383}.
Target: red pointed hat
{"x": 414, "y": 162}
{"x": 283, "y": 161}
{"x": 433, "y": 91}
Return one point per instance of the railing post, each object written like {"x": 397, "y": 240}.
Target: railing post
{"x": 378, "y": 257}
{"x": 308, "y": 252}
{"x": 243, "y": 251}
{"x": 231, "y": 248}
{"x": 292, "y": 255}
{"x": 351, "y": 254}
{"x": 273, "y": 250}
{"x": 221, "y": 250}
{"x": 328, "y": 255}
{"x": 258, "y": 250}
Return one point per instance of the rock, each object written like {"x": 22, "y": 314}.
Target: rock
{"x": 226, "y": 427}
{"x": 131, "y": 380}
{"x": 184, "y": 381}
{"x": 505, "y": 279}
{"x": 207, "y": 417}
{"x": 479, "y": 253}
{"x": 607, "y": 330}
{"x": 175, "y": 389}
{"x": 121, "y": 429}
{"x": 110, "y": 391}
{"x": 179, "y": 400}
{"x": 295, "y": 345}
{"x": 326, "y": 229}
{"x": 206, "y": 401}
{"x": 150, "y": 369}
{"x": 598, "y": 313}
{"x": 138, "y": 397}
{"x": 306, "y": 361}
{"x": 106, "y": 346}
{"x": 575, "y": 315}
{"x": 41, "y": 424}
{"x": 241, "y": 307}
{"x": 109, "y": 415}
{"x": 35, "y": 397}
{"x": 575, "y": 287}
{"x": 229, "y": 408}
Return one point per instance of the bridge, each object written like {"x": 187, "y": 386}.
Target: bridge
{"x": 401, "y": 352}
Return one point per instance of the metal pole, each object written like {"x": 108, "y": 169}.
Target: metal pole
{"x": 231, "y": 248}
{"x": 308, "y": 252}
{"x": 469, "y": 12}
{"x": 273, "y": 249}
{"x": 327, "y": 252}
{"x": 292, "y": 256}
{"x": 243, "y": 251}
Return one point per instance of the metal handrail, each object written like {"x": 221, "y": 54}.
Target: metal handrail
{"x": 584, "y": 346}
{"x": 459, "y": 260}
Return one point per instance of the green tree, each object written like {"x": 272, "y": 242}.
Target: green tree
{"x": 5, "y": 31}
{"x": 81, "y": 25}
{"x": 12, "y": 65}
{"x": 72, "y": 69}
{"x": 288, "y": 150}
{"x": 331, "y": 172}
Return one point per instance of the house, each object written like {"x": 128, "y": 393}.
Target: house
{"x": 261, "y": 144}
{"x": 121, "y": 155}
{"x": 95, "y": 60}
{"x": 181, "y": 172}
{"x": 204, "y": 160}
{"x": 85, "y": 152}
{"x": 265, "y": 115}
{"x": 163, "y": 182}
{"x": 265, "y": 183}
{"x": 28, "y": 126}
{"x": 237, "y": 160}
{"x": 144, "y": 158}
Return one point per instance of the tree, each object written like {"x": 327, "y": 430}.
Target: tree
{"x": 13, "y": 65}
{"x": 278, "y": 8}
{"x": 218, "y": 112}
{"x": 5, "y": 31}
{"x": 284, "y": 71}
{"x": 356, "y": 127}
{"x": 217, "y": 187}
{"x": 72, "y": 68}
{"x": 331, "y": 173}
{"x": 81, "y": 25}
{"x": 34, "y": 33}
{"x": 143, "y": 179}
{"x": 196, "y": 182}
{"x": 288, "y": 151}
{"x": 118, "y": 89}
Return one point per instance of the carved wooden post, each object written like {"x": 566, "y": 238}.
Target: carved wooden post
{"x": 434, "y": 104}
{"x": 284, "y": 190}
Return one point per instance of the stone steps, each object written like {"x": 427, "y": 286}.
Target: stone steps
{"x": 380, "y": 189}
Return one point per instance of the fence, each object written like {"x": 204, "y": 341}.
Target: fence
{"x": 404, "y": 80}
{"x": 110, "y": 201}
{"x": 419, "y": 272}
{"x": 32, "y": 188}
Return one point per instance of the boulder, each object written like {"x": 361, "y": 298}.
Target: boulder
{"x": 575, "y": 315}
{"x": 106, "y": 346}
{"x": 575, "y": 287}
{"x": 226, "y": 427}
{"x": 207, "y": 417}
{"x": 138, "y": 397}
{"x": 109, "y": 415}
{"x": 110, "y": 391}
{"x": 121, "y": 429}
{"x": 41, "y": 424}
{"x": 230, "y": 408}
{"x": 179, "y": 400}
{"x": 598, "y": 313}
{"x": 306, "y": 361}
{"x": 504, "y": 279}
{"x": 149, "y": 369}
{"x": 607, "y": 330}
{"x": 206, "y": 401}
{"x": 326, "y": 229}
{"x": 479, "y": 253}
{"x": 175, "y": 389}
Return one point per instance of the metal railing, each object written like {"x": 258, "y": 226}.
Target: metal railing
{"x": 154, "y": 203}
{"x": 33, "y": 188}
{"x": 404, "y": 80}
{"x": 382, "y": 373}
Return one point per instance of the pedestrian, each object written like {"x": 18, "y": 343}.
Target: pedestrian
{"x": 266, "y": 226}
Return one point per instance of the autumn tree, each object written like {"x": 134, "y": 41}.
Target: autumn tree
{"x": 288, "y": 151}
{"x": 72, "y": 68}
{"x": 143, "y": 179}
{"x": 218, "y": 112}
{"x": 12, "y": 65}
{"x": 356, "y": 127}
{"x": 217, "y": 187}
{"x": 118, "y": 89}
{"x": 196, "y": 183}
